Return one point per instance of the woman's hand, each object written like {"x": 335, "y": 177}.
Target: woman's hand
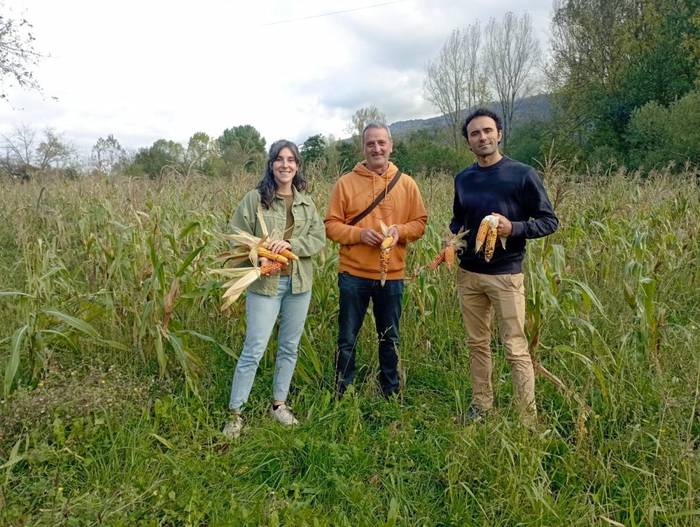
{"x": 277, "y": 246}
{"x": 264, "y": 261}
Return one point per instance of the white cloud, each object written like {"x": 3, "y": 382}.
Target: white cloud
{"x": 167, "y": 69}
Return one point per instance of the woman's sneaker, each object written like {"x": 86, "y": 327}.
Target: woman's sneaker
{"x": 233, "y": 428}
{"x": 283, "y": 415}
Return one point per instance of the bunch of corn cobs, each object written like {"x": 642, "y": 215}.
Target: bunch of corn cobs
{"x": 248, "y": 247}
{"x": 485, "y": 241}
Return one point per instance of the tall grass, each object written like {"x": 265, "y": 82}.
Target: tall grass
{"x": 104, "y": 288}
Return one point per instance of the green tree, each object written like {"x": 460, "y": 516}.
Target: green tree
{"x": 201, "y": 154}
{"x": 242, "y": 147}
{"x": 529, "y": 142}
{"x": 429, "y": 152}
{"x": 347, "y": 156}
{"x": 661, "y": 135}
{"x": 612, "y": 56}
{"x": 161, "y": 154}
{"x": 314, "y": 149}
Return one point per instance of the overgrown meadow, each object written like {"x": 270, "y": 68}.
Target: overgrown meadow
{"x": 116, "y": 365}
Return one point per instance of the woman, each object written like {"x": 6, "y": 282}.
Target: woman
{"x": 287, "y": 210}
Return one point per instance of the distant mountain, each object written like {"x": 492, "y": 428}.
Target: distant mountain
{"x": 535, "y": 108}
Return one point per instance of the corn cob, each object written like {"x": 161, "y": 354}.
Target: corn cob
{"x": 266, "y": 236}
{"x": 289, "y": 255}
{"x": 257, "y": 245}
{"x": 491, "y": 242}
{"x": 437, "y": 260}
{"x": 270, "y": 268}
{"x": 384, "y": 253}
{"x": 449, "y": 255}
{"x": 486, "y": 237}
{"x": 481, "y": 233}
{"x": 267, "y": 253}
{"x": 384, "y": 256}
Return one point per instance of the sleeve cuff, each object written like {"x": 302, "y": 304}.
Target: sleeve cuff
{"x": 518, "y": 229}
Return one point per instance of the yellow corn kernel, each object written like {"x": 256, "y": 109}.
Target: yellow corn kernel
{"x": 384, "y": 256}
{"x": 481, "y": 233}
{"x": 437, "y": 260}
{"x": 449, "y": 255}
{"x": 266, "y": 253}
{"x": 268, "y": 269}
{"x": 491, "y": 242}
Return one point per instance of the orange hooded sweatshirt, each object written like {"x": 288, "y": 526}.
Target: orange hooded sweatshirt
{"x": 403, "y": 207}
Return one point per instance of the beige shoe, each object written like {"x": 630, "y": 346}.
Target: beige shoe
{"x": 283, "y": 415}
{"x": 233, "y": 428}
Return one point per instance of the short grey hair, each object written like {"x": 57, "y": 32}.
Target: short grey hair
{"x": 375, "y": 124}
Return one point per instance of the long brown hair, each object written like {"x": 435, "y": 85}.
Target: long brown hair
{"x": 267, "y": 185}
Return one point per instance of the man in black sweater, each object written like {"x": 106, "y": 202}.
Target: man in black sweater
{"x": 513, "y": 193}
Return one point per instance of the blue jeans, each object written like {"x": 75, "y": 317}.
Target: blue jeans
{"x": 261, "y": 315}
{"x": 355, "y": 294}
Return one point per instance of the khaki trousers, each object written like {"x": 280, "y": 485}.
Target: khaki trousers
{"x": 479, "y": 296}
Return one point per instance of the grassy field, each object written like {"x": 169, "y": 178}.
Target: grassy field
{"x": 111, "y": 409}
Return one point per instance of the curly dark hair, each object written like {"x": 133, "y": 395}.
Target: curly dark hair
{"x": 481, "y": 112}
{"x": 267, "y": 185}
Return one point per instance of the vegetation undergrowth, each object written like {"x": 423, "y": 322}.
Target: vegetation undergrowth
{"x": 117, "y": 366}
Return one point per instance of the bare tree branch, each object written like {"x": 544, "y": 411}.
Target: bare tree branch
{"x": 17, "y": 54}
{"x": 455, "y": 81}
{"x": 512, "y": 55}
{"x": 360, "y": 118}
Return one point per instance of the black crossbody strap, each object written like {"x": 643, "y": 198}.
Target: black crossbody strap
{"x": 377, "y": 200}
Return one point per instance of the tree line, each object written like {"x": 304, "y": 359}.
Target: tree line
{"x": 623, "y": 81}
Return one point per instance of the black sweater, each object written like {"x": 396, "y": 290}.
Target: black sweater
{"x": 512, "y": 189}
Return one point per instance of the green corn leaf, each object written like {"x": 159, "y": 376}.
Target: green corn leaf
{"x": 13, "y": 363}
{"x": 15, "y": 456}
{"x": 114, "y": 345}
{"x": 188, "y": 260}
{"x": 211, "y": 340}
{"x": 593, "y": 368}
{"x": 14, "y": 293}
{"x": 75, "y": 323}
{"x": 179, "y": 348}
{"x": 588, "y": 292}
{"x": 160, "y": 353}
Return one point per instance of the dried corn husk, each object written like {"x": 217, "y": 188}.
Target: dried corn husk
{"x": 487, "y": 235}
{"x": 448, "y": 253}
{"x": 241, "y": 278}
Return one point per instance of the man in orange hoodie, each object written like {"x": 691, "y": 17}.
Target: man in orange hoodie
{"x": 356, "y": 226}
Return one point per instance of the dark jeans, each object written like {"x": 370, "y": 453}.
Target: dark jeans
{"x": 355, "y": 294}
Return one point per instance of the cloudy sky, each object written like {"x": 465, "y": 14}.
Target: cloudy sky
{"x": 150, "y": 69}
